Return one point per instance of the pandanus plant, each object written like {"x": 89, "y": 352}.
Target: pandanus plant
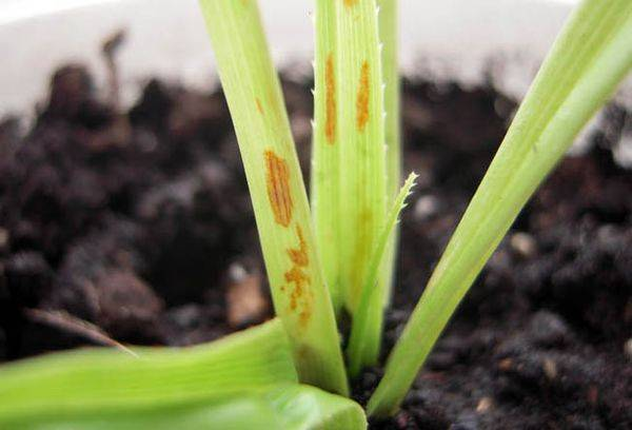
{"x": 337, "y": 256}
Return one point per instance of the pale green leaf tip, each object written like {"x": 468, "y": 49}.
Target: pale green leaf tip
{"x": 363, "y": 349}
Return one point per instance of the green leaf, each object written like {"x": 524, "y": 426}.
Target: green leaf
{"x": 286, "y": 406}
{"x": 361, "y": 350}
{"x": 354, "y": 176}
{"x": 361, "y": 136}
{"x": 588, "y": 60}
{"x": 102, "y": 380}
{"x": 326, "y": 167}
{"x": 305, "y": 407}
{"x": 388, "y": 10}
{"x": 389, "y": 43}
{"x": 301, "y": 298}
{"x": 244, "y": 413}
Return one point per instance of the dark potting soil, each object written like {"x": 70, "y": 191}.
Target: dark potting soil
{"x": 137, "y": 226}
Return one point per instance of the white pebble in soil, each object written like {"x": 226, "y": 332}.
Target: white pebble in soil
{"x": 426, "y": 207}
{"x": 524, "y": 244}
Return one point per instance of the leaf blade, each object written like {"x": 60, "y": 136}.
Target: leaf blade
{"x": 362, "y": 153}
{"x": 590, "y": 57}
{"x": 253, "y": 92}
{"x": 288, "y": 407}
{"x": 325, "y": 174}
{"x": 306, "y": 407}
{"x": 106, "y": 379}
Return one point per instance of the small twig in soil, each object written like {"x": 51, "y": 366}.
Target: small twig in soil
{"x": 109, "y": 50}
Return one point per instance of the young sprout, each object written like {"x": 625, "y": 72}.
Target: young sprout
{"x": 364, "y": 321}
{"x": 252, "y": 89}
{"x": 590, "y": 57}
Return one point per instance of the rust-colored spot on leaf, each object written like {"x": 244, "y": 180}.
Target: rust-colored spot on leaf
{"x": 350, "y": 3}
{"x": 304, "y": 316}
{"x": 330, "y": 100}
{"x": 259, "y": 105}
{"x": 300, "y": 279}
{"x": 278, "y": 187}
{"x": 301, "y": 296}
{"x": 362, "y": 101}
{"x": 299, "y": 256}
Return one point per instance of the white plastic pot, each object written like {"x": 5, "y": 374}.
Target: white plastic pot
{"x": 166, "y": 38}
{"x": 446, "y": 39}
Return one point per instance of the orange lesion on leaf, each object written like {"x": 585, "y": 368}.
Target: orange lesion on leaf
{"x": 297, "y": 277}
{"x": 300, "y": 279}
{"x": 350, "y": 3}
{"x": 300, "y": 296}
{"x": 299, "y": 256}
{"x": 304, "y": 316}
{"x": 362, "y": 100}
{"x": 278, "y": 187}
{"x": 259, "y": 105}
{"x": 330, "y": 100}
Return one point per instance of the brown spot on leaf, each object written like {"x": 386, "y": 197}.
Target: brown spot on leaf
{"x": 301, "y": 296}
{"x": 259, "y": 106}
{"x": 278, "y": 187}
{"x": 330, "y": 100}
{"x": 300, "y": 279}
{"x": 304, "y": 315}
{"x": 362, "y": 101}
{"x": 299, "y": 256}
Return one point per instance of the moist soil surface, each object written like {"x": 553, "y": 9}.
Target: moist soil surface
{"x": 136, "y": 226}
